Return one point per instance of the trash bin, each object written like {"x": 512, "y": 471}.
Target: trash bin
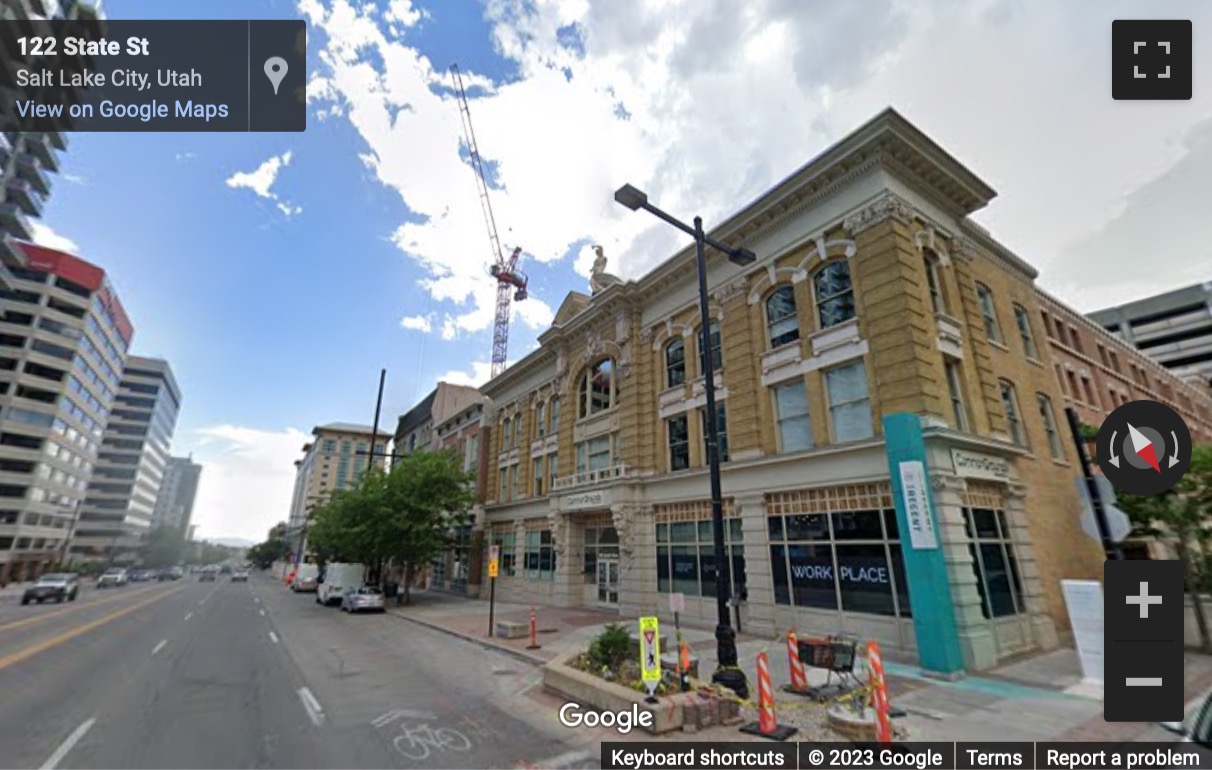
{"x": 391, "y": 590}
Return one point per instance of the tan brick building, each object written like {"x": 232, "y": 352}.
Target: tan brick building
{"x": 873, "y": 294}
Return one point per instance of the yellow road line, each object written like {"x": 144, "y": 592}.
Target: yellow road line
{"x": 74, "y": 607}
{"x": 55, "y": 641}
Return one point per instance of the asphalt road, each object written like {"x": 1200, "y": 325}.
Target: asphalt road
{"x": 248, "y": 675}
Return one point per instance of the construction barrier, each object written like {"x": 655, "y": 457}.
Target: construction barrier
{"x": 534, "y": 630}
{"x": 879, "y": 693}
{"x": 767, "y": 725}
{"x": 799, "y": 679}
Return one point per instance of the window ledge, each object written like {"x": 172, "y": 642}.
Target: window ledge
{"x": 1061, "y": 463}
{"x": 999, "y": 345}
{"x": 1035, "y": 362}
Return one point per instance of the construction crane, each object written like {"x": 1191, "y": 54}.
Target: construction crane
{"x": 511, "y": 282}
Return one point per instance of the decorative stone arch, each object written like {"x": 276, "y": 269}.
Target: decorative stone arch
{"x": 664, "y": 332}
{"x": 819, "y": 252}
{"x": 929, "y": 238}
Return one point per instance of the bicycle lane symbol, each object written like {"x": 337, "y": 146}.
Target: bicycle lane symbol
{"x": 417, "y": 738}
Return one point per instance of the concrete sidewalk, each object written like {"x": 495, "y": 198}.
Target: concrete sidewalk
{"x": 1037, "y": 698}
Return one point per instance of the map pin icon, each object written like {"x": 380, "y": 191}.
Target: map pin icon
{"x": 275, "y": 70}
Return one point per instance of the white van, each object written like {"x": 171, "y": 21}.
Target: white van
{"x": 339, "y": 578}
{"x": 305, "y": 579}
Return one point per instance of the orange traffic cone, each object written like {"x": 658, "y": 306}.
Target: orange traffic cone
{"x": 767, "y": 725}
{"x": 799, "y": 679}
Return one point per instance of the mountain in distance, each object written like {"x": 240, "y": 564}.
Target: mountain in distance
{"x": 231, "y": 542}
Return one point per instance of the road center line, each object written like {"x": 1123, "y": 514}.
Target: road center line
{"x": 55, "y": 641}
{"x": 159, "y": 646}
{"x": 273, "y": 637}
{"x": 312, "y": 706}
{"x": 75, "y": 607}
{"x": 53, "y": 761}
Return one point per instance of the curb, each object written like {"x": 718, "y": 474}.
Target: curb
{"x": 525, "y": 657}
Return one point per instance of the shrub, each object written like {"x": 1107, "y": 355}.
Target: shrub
{"x": 611, "y": 647}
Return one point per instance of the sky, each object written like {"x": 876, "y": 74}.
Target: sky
{"x": 278, "y": 273}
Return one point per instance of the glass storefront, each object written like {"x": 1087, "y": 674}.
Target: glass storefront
{"x": 686, "y": 557}
{"x": 840, "y": 560}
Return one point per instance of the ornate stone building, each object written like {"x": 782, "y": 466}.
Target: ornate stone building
{"x": 877, "y": 320}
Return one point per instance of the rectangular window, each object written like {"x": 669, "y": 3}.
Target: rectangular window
{"x": 1088, "y": 389}
{"x": 994, "y": 563}
{"x": 515, "y": 489}
{"x": 846, "y": 560}
{"x": 594, "y": 454}
{"x": 1102, "y": 354}
{"x": 505, "y": 540}
{"x": 849, "y": 402}
{"x": 721, "y": 427}
{"x": 540, "y": 557}
{"x": 507, "y": 435}
{"x": 555, "y": 415}
{"x": 503, "y": 497}
{"x": 955, "y": 388}
{"x": 988, "y": 313}
{"x": 679, "y": 443}
{"x": 791, "y": 414}
{"x": 1077, "y": 340}
{"x": 1024, "y": 331}
{"x": 1048, "y": 418}
{"x": 686, "y": 557}
{"x": 1043, "y": 314}
{"x": 1014, "y": 420}
{"x": 540, "y": 420}
{"x": 538, "y": 463}
{"x": 553, "y": 465}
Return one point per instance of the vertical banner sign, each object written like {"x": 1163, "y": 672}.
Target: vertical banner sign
{"x": 926, "y": 576}
{"x": 494, "y": 561}
{"x": 650, "y": 653}
{"x": 917, "y": 505}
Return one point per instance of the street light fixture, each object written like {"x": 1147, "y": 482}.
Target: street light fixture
{"x": 727, "y": 672}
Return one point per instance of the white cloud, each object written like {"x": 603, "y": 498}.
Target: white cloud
{"x": 480, "y": 373}
{"x": 75, "y": 179}
{"x": 423, "y": 323}
{"x": 183, "y": 157}
{"x": 248, "y": 478}
{"x": 261, "y": 181}
{"x": 43, "y": 235}
{"x": 704, "y": 105}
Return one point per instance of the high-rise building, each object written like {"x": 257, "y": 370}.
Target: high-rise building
{"x": 63, "y": 342}
{"x": 27, "y": 157}
{"x": 1174, "y": 329}
{"x": 175, "y": 503}
{"x": 332, "y": 460}
{"x": 117, "y": 512}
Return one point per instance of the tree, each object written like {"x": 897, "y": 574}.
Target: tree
{"x": 429, "y": 500}
{"x": 263, "y": 555}
{"x": 408, "y": 516}
{"x": 165, "y": 547}
{"x": 1183, "y": 516}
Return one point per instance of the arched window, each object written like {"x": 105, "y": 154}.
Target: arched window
{"x": 781, "y": 317}
{"x": 834, "y": 294}
{"x": 507, "y": 434}
{"x": 931, "y": 262}
{"x": 675, "y": 363}
{"x": 597, "y": 391}
{"x": 717, "y": 352}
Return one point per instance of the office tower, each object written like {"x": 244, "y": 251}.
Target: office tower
{"x": 117, "y": 512}
{"x": 63, "y": 343}
{"x": 175, "y": 503}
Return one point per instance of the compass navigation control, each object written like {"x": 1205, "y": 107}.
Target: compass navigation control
{"x": 1144, "y": 448}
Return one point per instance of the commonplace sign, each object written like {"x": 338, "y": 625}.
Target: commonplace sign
{"x": 650, "y": 652}
{"x": 917, "y": 505}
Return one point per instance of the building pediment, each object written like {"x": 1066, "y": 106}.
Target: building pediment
{"x": 574, "y": 304}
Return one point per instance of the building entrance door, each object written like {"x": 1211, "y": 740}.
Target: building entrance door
{"x": 608, "y": 581}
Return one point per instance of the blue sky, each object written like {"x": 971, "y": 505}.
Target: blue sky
{"x": 275, "y": 323}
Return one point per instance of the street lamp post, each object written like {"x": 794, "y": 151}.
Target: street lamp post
{"x": 727, "y": 672}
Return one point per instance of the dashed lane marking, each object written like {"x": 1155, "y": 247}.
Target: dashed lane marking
{"x": 273, "y": 637}
{"x": 312, "y": 706}
{"x": 159, "y": 646}
{"x": 54, "y": 759}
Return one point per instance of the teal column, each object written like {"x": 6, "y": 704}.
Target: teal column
{"x": 925, "y": 568}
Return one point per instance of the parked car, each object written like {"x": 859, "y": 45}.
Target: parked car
{"x": 113, "y": 577}
{"x": 306, "y": 579}
{"x": 364, "y": 599}
{"x": 58, "y": 586}
{"x": 339, "y": 578}
{"x": 239, "y": 576}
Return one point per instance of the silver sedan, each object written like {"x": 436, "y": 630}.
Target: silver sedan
{"x": 364, "y": 599}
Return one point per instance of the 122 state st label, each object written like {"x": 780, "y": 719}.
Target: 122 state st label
{"x": 130, "y": 75}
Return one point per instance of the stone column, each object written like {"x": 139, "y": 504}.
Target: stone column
{"x": 568, "y": 559}
{"x": 759, "y": 613}
{"x": 975, "y": 635}
{"x": 1043, "y": 629}
{"x": 636, "y": 527}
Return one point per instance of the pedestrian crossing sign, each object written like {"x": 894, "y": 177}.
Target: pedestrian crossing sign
{"x": 650, "y": 652}
{"x": 494, "y": 561}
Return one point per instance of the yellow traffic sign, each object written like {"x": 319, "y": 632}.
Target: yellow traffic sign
{"x": 494, "y": 561}
{"x": 650, "y": 651}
